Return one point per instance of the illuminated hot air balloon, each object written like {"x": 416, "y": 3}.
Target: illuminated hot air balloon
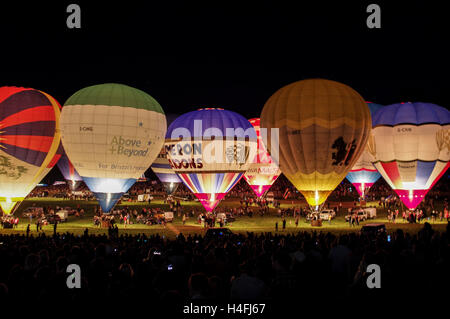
{"x": 363, "y": 174}
{"x": 69, "y": 172}
{"x": 323, "y": 129}
{"x": 29, "y": 141}
{"x": 161, "y": 167}
{"x": 410, "y": 143}
{"x": 111, "y": 133}
{"x": 262, "y": 172}
{"x": 210, "y": 149}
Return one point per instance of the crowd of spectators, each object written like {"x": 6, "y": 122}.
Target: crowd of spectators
{"x": 152, "y": 269}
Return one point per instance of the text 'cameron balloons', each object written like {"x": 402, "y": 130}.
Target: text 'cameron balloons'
{"x": 29, "y": 142}
{"x": 111, "y": 133}
{"x": 210, "y": 149}
{"x": 323, "y": 129}
{"x": 363, "y": 174}
{"x": 162, "y": 169}
{"x": 69, "y": 172}
{"x": 262, "y": 171}
{"x": 410, "y": 144}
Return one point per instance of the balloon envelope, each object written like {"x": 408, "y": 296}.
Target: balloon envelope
{"x": 363, "y": 174}
{"x": 210, "y": 149}
{"x": 262, "y": 172}
{"x": 410, "y": 144}
{"x": 29, "y": 141}
{"x": 323, "y": 129}
{"x": 111, "y": 133}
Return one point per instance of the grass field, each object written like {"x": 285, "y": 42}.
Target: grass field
{"x": 255, "y": 224}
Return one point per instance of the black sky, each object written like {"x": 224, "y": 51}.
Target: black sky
{"x": 231, "y": 54}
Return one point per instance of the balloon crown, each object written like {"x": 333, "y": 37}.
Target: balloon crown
{"x": 210, "y": 108}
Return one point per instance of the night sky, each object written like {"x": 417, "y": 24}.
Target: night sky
{"x": 230, "y": 54}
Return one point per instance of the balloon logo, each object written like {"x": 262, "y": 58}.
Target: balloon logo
{"x": 323, "y": 129}
{"x": 262, "y": 172}
{"x": 210, "y": 149}
{"x": 111, "y": 133}
{"x": 29, "y": 142}
{"x": 411, "y": 148}
{"x": 363, "y": 174}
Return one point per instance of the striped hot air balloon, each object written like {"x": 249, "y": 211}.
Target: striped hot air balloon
{"x": 363, "y": 174}
{"x": 410, "y": 144}
{"x": 161, "y": 166}
{"x": 262, "y": 172}
{"x": 29, "y": 141}
{"x": 162, "y": 169}
{"x": 69, "y": 172}
{"x": 210, "y": 149}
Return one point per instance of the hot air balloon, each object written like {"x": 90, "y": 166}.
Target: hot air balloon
{"x": 363, "y": 174}
{"x": 262, "y": 172}
{"x": 210, "y": 149}
{"x": 161, "y": 167}
{"x": 29, "y": 142}
{"x": 69, "y": 172}
{"x": 323, "y": 127}
{"x": 111, "y": 133}
{"x": 410, "y": 144}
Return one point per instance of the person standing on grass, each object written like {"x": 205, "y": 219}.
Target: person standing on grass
{"x": 184, "y": 219}
{"x": 284, "y": 224}
{"x": 276, "y": 226}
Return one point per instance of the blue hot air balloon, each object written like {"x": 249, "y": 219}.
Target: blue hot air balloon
{"x": 363, "y": 174}
{"x": 69, "y": 172}
{"x": 161, "y": 166}
{"x": 162, "y": 169}
{"x": 210, "y": 149}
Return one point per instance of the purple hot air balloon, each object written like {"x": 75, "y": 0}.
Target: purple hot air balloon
{"x": 218, "y": 150}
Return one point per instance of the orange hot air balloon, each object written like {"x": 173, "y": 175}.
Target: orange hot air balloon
{"x": 262, "y": 172}
{"x": 323, "y": 129}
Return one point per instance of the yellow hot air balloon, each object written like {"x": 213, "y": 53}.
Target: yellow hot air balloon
{"x": 323, "y": 129}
